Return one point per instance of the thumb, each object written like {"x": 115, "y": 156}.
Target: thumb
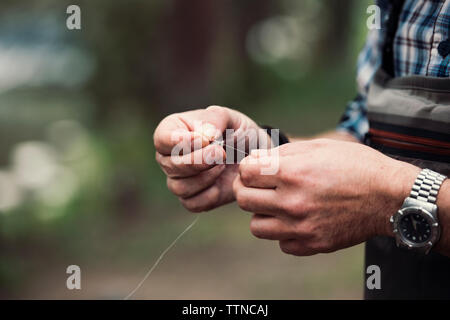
{"x": 207, "y": 130}
{"x": 213, "y": 121}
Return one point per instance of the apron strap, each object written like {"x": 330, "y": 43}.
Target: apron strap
{"x": 392, "y": 25}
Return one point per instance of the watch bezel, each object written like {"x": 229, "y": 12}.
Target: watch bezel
{"x": 401, "y": 239}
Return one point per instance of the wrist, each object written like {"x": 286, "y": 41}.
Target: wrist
{"x": 393, "y": 188}
{"x": 443, "y": 203}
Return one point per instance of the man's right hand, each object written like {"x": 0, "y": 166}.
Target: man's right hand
{"x": 199, "y": 186}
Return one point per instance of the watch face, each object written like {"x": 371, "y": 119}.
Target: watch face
{"x": 415, "y": 227}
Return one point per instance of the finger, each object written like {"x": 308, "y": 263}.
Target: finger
{"x": 184, "y": 128}
{"x": 271, "y": 228}
{"x": 204, "y": 201}
{"x": 180, "y": 141}
{"x": 193, "y": 163}
{"x": 210, "y": 123}
{"x": 296, "y": 248}
{"x": 265, "y": 201}
{"x": 188, "y": 187}
{"x": 163, "y": 136}
{"x": 250, "y": 170}
{"x": 222, "y": 118}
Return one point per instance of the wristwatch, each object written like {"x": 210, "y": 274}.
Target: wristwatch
{"x": 282, "y": 138}
{"x": 416, "y": 225}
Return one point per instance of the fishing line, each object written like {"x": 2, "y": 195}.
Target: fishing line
{"x": 222, "y": 143}
{"x": 149, "y": 272}
{"x": 238, "y": 139}
{"x": 174, "y": 242}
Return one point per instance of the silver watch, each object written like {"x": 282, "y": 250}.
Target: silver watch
{"x": 416, "y": 225}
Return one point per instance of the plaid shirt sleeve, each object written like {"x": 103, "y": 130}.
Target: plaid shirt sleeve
{"x": 354, "y": 120}
{"x": 421, "y": 47}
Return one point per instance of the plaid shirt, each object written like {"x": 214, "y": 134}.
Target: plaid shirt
{"x": 423, "y": 25}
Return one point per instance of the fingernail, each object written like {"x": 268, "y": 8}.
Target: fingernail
{"x": 209, "y": 130}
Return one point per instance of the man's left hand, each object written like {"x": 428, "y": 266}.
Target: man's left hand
{"x": 327, "y": 195}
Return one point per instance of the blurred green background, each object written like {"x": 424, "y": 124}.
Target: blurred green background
{"x": 78, "y": 180}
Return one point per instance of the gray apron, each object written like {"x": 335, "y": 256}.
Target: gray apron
{"x": 409, "y": 119}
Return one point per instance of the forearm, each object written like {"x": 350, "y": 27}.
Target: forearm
{"x": 332, "y": 134}
{"x": 443, "y": 203}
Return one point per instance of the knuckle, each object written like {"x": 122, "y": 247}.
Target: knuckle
{"x": 236, "y": 187}
{"x": 219, "y": 112}
{"x": 306, "y": 251}
{"x": 296, "y": 206}
{"x": 291, "y": 206}
{"x": 281, "y": 172}
{"x": 192, "y": 206}
{"x": 320, "y": 247}
{"x": 285, "y": 207}
{"x": 189, "y": 205}
{"x": 178, "y": 187}
{"x": 158, "y": 158}
{"x": 214, "y": 196}
{"x": 286, "y": 175}
{"x": 242, "y": 202}
{"x": 288, "y": 247}
{"x": 245, "y": 176}
{"x": 305, "y": 230}
{"x": 216, "y": 109}
{"x": 294, "y": 175}
{"x": 169, "y": 184}
{"x": 205, "y": 202}
{"x": 157, "y": 139}
{"x": 168, "y": 170}
{"x": 283, "y": 247}
{"x": 255, "y": 229}
{"x": 315, "y": 240}
{"x": 157, "y": 134}
{"x": 296, "y": 249}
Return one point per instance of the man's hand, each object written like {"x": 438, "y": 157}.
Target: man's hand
{"x": 199, "y": 186}
{"x": 327, "y": 195}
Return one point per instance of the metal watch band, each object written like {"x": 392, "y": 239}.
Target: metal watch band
{"x": 427, "y": 185}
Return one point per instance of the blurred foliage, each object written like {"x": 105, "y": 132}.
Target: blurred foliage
{"x": 78, "y": 180}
